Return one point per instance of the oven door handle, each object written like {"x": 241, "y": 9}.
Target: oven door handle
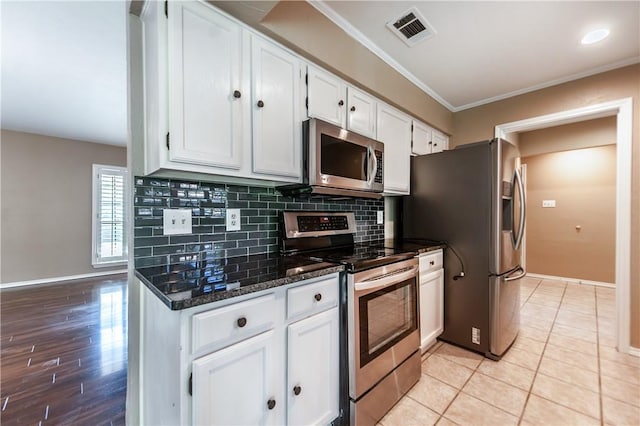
{"x": 382, "y": 281}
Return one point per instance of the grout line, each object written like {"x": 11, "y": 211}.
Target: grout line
{"x": 598, "y": 355}
{"x": 535, "y": 374}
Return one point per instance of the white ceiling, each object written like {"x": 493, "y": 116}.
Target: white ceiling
{"x": 64, "y": 69}
{"x": 486, "y": 51}
{"x": 64, "y": 63}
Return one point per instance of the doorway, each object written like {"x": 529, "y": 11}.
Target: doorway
{"x": 622, "y": 109}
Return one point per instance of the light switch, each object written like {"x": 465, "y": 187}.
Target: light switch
{"x": 380, "y": 220}
{"x": 176, "y": 221}
{"x": 548, "y": 203}
{"x": 233, "y": 219}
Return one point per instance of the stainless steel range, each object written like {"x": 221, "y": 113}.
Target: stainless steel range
{"x": 381, "y": 296}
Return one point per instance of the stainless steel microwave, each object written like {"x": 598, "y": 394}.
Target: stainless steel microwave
{"x": 339, "y": 162}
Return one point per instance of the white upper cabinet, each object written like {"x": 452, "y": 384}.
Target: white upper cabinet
{"x": 394, "y": 130}
{"x": 276, "y": 118}
{"x": 330, "y": 99}
{"x": 361, "y": 114}
{"x": 440, "y": 142}
{"x": 421, "y": 139}
{"x": 427, "y": 140}
{"x": 207, "y": 94}
{"x": 326, "y": 97}
{"x": 204, "y": 74}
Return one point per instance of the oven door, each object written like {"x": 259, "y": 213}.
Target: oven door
{"x": 383, "y": 326}
{"x": 342, "y": 159}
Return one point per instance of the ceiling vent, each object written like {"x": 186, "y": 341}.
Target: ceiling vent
{"x": 411, "y": 27}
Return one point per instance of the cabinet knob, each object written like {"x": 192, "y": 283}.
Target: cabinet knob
{"x": 241, "y": 322}
{"x": 318, "y": 297}
{"x": 271, "y": 404}
{"x": 353, "y": 108}
{"x": 237, "y": 94}
{"x": 260, "y": 104}
{"x": 430, "y": 142}
{"x": 432, "y": 263}
{"x": 297, "y": 389}
{"x": 341, "y": 102}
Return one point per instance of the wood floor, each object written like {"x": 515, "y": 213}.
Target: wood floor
{"x": 63, "y": 357}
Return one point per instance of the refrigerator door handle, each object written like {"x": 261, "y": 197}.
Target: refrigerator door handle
{"x": 523, "y": 273}
{"x": 523, "y": 209}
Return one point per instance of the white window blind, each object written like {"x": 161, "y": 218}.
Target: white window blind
{"x": 109, "y": 215}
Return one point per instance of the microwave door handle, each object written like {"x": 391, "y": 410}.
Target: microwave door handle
{"x": 386, "y": 280}
{"x": 373, "y": 161}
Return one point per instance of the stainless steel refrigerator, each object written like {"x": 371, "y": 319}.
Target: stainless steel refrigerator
{"x": 473, "y": 198}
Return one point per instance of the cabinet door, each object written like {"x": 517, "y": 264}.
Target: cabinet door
{"x": 431, "y": 308}
{"x": 394, "y": 130}
{"x": 421, "y": 138}
{"x": 361, "y": 114}
{"x": 205, "y": 66}
{"x": 326, "y": 97}
{"x": 313, "y": 369}
{"x": 440, "y": 142}
{"x": 233, "y": 386}
{"x": 275, "y": 111}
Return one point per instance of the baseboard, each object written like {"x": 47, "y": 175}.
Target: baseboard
{"x": 634, "y": 351}
{"x": 60, "y": 279}
{"x": 572, "y": 280}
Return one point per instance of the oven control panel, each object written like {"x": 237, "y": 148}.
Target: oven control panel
{"x": 322, "y": 223}
{"x": 301, "y": 224}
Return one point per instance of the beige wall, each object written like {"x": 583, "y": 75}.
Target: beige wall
{"x": 46, "y": 204}
{"x": 585, "y": 134}
{"x": 583, "y": 184}
{"x": 478, "y": 124}
{"x": 302, "y": 28}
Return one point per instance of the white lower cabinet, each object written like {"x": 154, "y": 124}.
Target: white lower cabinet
{"x": 431, "y": 298}
{"x": 239, "y": 385}
{"x": 268, "y": 358}
{"x": 313, "y": 369}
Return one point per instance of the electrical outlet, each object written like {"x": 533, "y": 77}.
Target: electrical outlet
{"x": 176, "y": 221}
{"x": 548, "y": 203}
{"x": 233, "y": 219}
{"x": 380, "y": 220}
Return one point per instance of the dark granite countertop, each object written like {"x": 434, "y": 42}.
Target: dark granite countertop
{"x": 416, "y": 245}
{"x": 189, "y": 284}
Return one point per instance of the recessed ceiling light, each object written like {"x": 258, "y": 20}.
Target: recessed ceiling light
{"x": 595, "y": 36}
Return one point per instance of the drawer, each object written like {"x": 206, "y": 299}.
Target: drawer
{"x": 313, "y": 297}
{"x": 233, "y": 323}
{"x": 431, "y": 261}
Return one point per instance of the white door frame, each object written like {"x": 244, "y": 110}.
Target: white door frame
{"x": 622, "y": 109}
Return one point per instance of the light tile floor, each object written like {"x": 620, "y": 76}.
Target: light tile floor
{"x": 563, "y": 369}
